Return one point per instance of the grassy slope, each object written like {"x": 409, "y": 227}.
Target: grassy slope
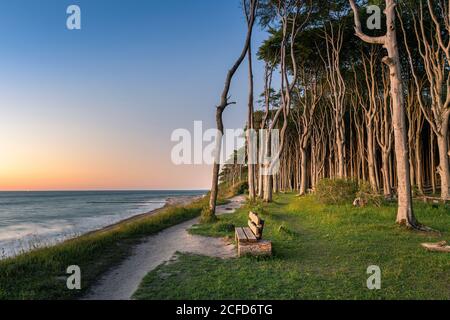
{"x": 41, "y": 274}
{"x": 319, "y": 253}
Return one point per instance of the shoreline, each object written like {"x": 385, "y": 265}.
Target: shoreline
{"x": 173, "y": 201}
{"x": 95, "y": 253}
{"x": 170, "y": 202}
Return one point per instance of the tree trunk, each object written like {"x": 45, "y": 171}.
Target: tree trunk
{"x": 387, "y": 191}
{"x": 224, "y": 103}
{"x": 444, "y": 170}
{"x": 405, "y": 215}
{"x": 250, "y": 141}
{"x": 268, "y": 178}
{"x": 419, "y": 168}
{"x": 371, "y": 157}
{"x": 216, "y": 167}
{"x": 303, "y": 170}
{"x": 340, "y": 149}
{"x": 433, "y": 163}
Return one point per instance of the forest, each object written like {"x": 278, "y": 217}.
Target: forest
{"x": 357, "y": 94}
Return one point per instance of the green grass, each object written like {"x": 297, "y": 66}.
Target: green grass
{"x": 41, "y": 274}
{"x": 320, "y": 252}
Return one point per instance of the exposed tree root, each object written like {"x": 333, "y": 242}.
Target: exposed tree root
{"x": 418, "y": 227}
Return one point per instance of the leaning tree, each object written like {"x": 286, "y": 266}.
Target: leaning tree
{"x": 224, "y": 103}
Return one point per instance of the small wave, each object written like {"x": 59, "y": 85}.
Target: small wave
{"x": 124, "y": 202}
{"x": 38, "y": 222}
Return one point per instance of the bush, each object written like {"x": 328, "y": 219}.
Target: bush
{"x": 239, "y": 188}
{"x": 367, "y": 195}
{"x": 227, "y": 191}
{"x": 258, "y": 206}
{"x": 336, "y": 191}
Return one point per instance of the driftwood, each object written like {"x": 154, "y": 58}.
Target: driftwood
{"x": 437, "y": 247}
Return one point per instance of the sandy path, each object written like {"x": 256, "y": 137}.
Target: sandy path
{"x": 123, "y": 280}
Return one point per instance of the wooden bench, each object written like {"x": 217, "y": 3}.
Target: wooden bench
{"x": 249, "y": 239}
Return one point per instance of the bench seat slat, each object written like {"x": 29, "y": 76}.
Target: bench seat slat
{"x": 250, "y": 235}
{"x": 240, "y": 235}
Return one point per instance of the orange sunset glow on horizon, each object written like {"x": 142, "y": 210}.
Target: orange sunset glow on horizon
{"x": 32, "y": 164}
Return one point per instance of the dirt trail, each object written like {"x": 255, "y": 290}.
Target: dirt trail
{"x": 123, "y": 280}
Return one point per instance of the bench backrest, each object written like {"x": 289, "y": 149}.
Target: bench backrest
{"x": 256, "y": 224}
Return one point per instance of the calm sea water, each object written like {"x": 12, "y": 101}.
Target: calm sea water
{"x": 35, "y": 219}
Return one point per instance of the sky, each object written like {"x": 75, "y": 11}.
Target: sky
{"x": 94, "y": 109}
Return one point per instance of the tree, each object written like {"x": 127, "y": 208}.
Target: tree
{"x": 290, "y": 14}
{"x": 250, "y": 123}
{"x": 384, "y": 133}
{"x": 268, "y": 93}
{"x": 334, "y": 41}
{"x": 309, "y": 96}
{"x": 405, "y": 215}
{"x": 224, "y": 103}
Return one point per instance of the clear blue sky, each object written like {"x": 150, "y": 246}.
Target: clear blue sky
{"x": 95, "y": 108}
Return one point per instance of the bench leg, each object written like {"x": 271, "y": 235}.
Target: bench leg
{"x": 260, "y": 248}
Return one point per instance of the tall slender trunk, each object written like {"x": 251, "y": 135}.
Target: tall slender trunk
{"x": 387, "y": 191}
{"x": 433, "y": 163}
{"x": 264, "y": 144}
{"x": 340, "y": 142}
{"x": 444, "y": 170}
{"x": 304, "y": 173}
{"x": 371, "y": 157}
{"x": 419, "y": 168}
{"x": 405, "y": 215}
{"x": 250, "y": 127}
{"x": 224, "y": 103}
{"x": 268, "y": 178}
{"x": 216, "y": 166}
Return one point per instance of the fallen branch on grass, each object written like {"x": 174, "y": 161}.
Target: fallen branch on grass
{"x": 438, "y": 247}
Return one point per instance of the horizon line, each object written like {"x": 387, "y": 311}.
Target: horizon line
{"x": 102, "y": 190}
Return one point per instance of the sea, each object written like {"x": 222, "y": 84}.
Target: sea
{"x": 30, "y": 220}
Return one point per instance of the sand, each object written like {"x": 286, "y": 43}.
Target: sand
{"x": 122, "y": 281}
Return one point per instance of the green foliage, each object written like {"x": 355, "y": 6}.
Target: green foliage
{"x": 258, "y": 206}
{"x": 336, "y": 191}
{"x": 239, "y": 188}
{"x": 227, "y": 191}
{"x": 368, "y": 196}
